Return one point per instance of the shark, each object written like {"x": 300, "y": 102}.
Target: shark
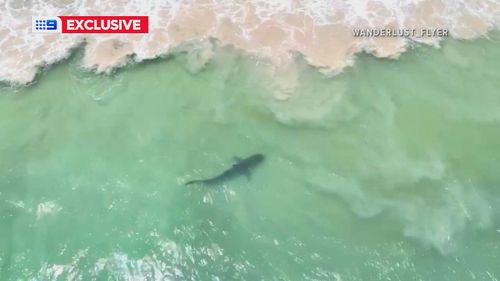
{"x": 242, "y": 167}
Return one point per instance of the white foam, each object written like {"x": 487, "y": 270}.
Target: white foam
{"x": 23, "y": 52}
{"x": 47, "y": 208}
{"x": 169, "y": 262}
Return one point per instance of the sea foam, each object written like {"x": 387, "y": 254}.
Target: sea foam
{"x": 277, "y": 30}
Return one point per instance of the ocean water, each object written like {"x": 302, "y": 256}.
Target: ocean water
{"x": 387, "y": 171}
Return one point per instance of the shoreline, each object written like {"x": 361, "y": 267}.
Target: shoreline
{"x": 77, "y": 54}
{"x": 276, "y": 33}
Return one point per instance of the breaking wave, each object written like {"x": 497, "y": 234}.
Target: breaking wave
{"x": 277, "y": 30}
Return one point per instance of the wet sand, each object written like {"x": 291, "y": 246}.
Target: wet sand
{"x": 321, "y": 31}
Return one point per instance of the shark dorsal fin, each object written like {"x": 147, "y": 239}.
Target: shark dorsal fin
{"x": 237, "y": 159}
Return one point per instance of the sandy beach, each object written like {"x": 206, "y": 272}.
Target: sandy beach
{"x": 276, "y": 31}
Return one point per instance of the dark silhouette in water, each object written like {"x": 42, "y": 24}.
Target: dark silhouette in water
{"x": 241, "y": 167}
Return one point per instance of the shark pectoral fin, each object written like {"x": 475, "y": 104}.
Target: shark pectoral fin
{"x": 237, "y": 159}
{"x": 248, "y": 175}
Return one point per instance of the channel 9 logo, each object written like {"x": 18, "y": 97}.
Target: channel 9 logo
{"x": 46, "y": 25}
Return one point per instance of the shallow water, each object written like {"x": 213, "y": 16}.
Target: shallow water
{"x": 388, "y": 171}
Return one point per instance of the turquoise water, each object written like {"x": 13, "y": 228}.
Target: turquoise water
{"x": 388, "y": 171}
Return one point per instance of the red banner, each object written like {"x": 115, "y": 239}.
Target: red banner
{"x": 104, "y": 24}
